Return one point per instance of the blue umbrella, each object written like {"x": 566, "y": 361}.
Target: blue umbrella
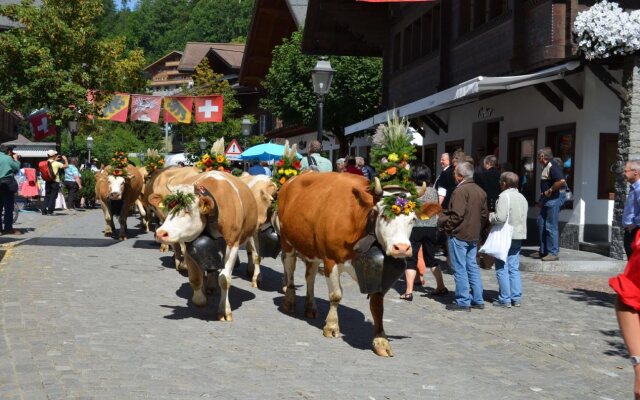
{"x": 264, "y": 152}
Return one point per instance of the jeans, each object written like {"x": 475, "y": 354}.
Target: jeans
{"x": 548, "y": 225}
{"x": 508, "y": 275}
{"x": 7, "y": 199}
{"x": 466, "y": 273}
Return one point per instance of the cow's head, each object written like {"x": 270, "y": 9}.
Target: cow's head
{"x": 117, "y": 184}
{"x": 187, "y": 223}
{"x": 394, "y": 228}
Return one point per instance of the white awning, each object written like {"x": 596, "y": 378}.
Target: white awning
{"x": 463, "y": 93}
{"x": 31, "y": 153}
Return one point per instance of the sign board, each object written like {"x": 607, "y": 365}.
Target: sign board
{"x": 233, "y": 151}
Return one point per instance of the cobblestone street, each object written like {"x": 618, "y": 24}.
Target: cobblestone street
{"x": 84, "y": 317}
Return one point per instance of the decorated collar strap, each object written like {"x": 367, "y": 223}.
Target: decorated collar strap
{"x": 176, "y": 202}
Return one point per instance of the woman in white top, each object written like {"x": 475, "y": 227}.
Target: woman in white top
{"x": 513, "y": 206}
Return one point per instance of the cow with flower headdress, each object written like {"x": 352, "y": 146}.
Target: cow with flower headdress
{"x": 352, "y": 226}
{"x": 118, "y": 187}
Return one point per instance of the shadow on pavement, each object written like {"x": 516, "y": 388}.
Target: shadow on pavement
{"x": 591, "y": 297}
{"x": 69, "y": 242}
{"x": 146, "y": 244}
{"x": 237, "y": 297}
{"x": 618, "y": 349}
{"x": 354, "y": 329}
{"x": 270, "y": 280}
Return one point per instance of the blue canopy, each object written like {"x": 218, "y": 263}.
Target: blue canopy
{"x": 264, "y": 152}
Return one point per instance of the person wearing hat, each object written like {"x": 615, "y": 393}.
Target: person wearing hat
{"x": 9, "y": 165}
{"x": 52, "y": 188}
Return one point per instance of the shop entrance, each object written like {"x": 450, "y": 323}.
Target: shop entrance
{"x": 486, "y": 140}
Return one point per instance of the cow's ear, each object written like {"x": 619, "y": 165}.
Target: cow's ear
{"x": 205, "y": 205}
{"x": 364, "y": 198}
{"x": 155, "y": 199}
{"x": 265, "y": 196}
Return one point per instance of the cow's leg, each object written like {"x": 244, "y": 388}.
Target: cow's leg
{"x": 253, "y": 260}
{"x": 310, "y": 309}
{"x": 108, "y": 219}
{"x": 123, "y": 223}
{"x": 144, "y": 219}
{"x": 179, "y": 250}
{"x": 289, "y": 262}
{"x": 332, "y": 273}
{"x": 195, "y": 279}
{"x": 380, "y": 344}
{"x": 224, "y": 308}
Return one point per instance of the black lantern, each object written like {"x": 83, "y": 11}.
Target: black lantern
{"x": 322, "y": 75}
{"x": 246, "y": 127}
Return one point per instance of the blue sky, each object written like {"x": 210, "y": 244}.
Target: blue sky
{"x": 131, "y": 3}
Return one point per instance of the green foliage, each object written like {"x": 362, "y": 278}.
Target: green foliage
{"x": 88, "y": 179}
{"x": 355, "y": 93}
{"x": 177, "y": 202}
{"x": 57, "y": 56}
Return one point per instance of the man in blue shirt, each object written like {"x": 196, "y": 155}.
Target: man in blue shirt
{"x": 553, "y": 196}
{"x": 257, "y": 169}
{"x": 631, "y": 214}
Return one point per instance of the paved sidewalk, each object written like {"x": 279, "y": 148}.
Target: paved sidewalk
{"x": 88, "y": 317}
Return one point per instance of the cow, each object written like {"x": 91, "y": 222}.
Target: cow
{"x": 263, "y": 190}
{"x": 322, "y": 217}
{"x": 225, "y": 207}
{"x": 117, "y": 194}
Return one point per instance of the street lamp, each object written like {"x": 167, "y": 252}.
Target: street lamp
{"x": 73, "y": 129}
{"x": 246, "y": 127}
{"x": 322, "y": 75}
{"x": 89, "y": 147}
{"x": 203, "y": 144}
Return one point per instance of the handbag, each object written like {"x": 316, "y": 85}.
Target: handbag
{"x": 498, "y": 243}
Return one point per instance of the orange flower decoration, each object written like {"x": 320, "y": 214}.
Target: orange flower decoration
{"x": 392, "y": 171}
{"x": 283, "y": 180}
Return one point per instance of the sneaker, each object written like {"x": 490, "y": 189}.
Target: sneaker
{"x": 455, "y": 307}
{"x": 502, "y": 305}
{"x": 516, "y": 303}
{"x": 478, "y": 306}
{"x": 550, "y": 257}
{"x": 536, "y": 255}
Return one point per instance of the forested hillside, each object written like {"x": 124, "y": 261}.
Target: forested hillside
{"x": 159, "y": 26}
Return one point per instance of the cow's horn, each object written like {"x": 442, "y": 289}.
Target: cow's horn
{"x": 422, "y": 189}
{"x": 378, "y": 187}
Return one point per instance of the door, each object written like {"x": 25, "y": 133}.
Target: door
{"x": 522, "y": 160}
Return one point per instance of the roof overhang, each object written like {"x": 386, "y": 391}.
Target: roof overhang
{"x": 465, "y": 92}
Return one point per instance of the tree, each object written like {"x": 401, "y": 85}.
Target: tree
{"x": 56, "y": 57}
{"x": 355, "y": 94}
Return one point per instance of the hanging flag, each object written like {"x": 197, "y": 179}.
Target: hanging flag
{"x": 145, "y": 108}
{"x": 42, "y": 126}
{"x": 178, "y": 109}
{"x": 209, "y": 108}
{"x": 396, "y": 1}
{"x": 118, "y": 109}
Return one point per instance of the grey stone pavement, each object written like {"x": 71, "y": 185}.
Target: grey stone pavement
{"x": 88, "y": 317}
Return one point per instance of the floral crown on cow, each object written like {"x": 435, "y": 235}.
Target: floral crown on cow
{"x": 176, "y": 202}
{"x": 153, "y": 161}
{"x": 288, "y": 166}
{"x": 216, "y": 159}
{"x": 119, "y": 164}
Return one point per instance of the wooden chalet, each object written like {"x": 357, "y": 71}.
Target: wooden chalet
{"x": 491, "y": 77}
{"x": 164, "y": 77}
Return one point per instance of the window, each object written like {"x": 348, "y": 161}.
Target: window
{"x": 397, "y": 41}
{"x": 452, "y": 146}
{"x": 431, "y": 159}
{"x": 465, "y": 17}
{"x": 496, "y": 8}
{"x": 426, "y": 34}
{"x": 416, "y": 34}
{"x": 607, "y": 163}
{"x": 522, "y": 157}
{"x": 561, "y": 140}
{"x": 406, "y": 46}
{"x": 435, "y": 44}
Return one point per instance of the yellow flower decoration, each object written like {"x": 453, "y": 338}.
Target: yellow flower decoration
{"x": 395, "y": 209}
{"x": 220, "y": 158}
{"x": 281, "y": 171}
{"x": 393, "y": 157}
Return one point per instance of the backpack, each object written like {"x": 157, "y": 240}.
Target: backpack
{"x": 46, "y": 171}
{"x": 313, "y": 164}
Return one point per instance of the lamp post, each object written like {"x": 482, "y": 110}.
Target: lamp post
{"x": 89, "y": 147}
{"x": 73, "y": 129}
{"x": 203, "y": 144}
{"x": 322, "y": 75}
{"x": 246, "y": 127}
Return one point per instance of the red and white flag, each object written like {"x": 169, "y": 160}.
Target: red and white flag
{"x": 42, "y": 126}
{"x": 145, "y": 108}
{"x": 209, "y": 108}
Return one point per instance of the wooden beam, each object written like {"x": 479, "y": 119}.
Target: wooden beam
{"x": 427, "y": 121}
{"x": 609, "y": 81}
{"x": 439, "y": 122}
{"x": 550, "y": 95}
{"x": 569, "y": 92}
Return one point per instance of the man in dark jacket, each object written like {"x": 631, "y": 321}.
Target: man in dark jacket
{"x": 462, "y": 222}
{"x": 488, "y": 178}
{"x": 445, "y": 182}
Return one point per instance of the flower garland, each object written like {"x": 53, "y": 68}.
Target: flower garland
{"x": 287, "y": 167}
{"x": 177, "y": 202}
{"x": 153, "y": 161}
{"x": 217, "y": 162}
{"x": 606, "y": 30}
{"x": 119, "y": 163}
{"x": 397, "y": 205}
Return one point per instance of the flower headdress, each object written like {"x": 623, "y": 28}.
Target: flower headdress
{"x": 153, "y": 161}
{"x": 216, "y": 159}
{"x": 119, "y": 164}
{"x": 288, "y": 166}
{"x": 176, "y": 202}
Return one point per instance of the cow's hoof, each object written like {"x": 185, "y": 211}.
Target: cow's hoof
{"x": 256, "y": 283}
{"x": 227, "y": 317}
{"x": 331, "y": 331}
{"x": 289, "y": 301}
{"x": 123, "y": 238}
{"x": 107, "y": 234}
{"x": 310, "y": 312}
{"x": 164, "y": 248}
{"x": 199, "y": 299}
{"x": 382, "y": 347}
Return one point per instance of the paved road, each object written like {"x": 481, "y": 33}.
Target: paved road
{"x": 87, "y": 317}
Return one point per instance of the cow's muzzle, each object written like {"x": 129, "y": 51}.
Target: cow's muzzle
{"x": 400, "y": 250}
{"x": 115, "y": 195}
{"x": 162, "y": 236}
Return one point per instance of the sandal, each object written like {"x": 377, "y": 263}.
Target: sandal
{"x": 440, "y": 292}
{"x": 407, "y": 297}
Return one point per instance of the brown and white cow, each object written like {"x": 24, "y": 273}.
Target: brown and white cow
{"x": 321, "y": 217}
{"x": 230, "y": 200}
{"x": 263, "y": 190}
{"x": 117, "y": 194}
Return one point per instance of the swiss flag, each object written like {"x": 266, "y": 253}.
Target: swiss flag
{"x": 209, "y": 108}
{"x": 42, "y": 126}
